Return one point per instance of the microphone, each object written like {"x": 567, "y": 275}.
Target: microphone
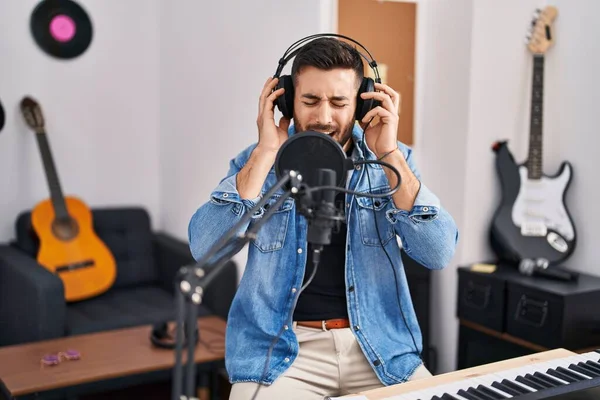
{"x": 540, "y": 268}
{"x": 321, "y": 212}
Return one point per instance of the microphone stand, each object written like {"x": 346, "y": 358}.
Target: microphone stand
{"x": 191, "y": 282}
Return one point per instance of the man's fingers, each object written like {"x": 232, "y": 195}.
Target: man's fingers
{"x": 384, "y": 98}
{"x": 267, "y": 111}
{"x": 395, "y": 96}
{"x": 383, "y": 114}
{"x": 267, "y": 89}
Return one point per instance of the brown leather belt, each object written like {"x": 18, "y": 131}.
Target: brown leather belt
{"x": 326, "y": 324}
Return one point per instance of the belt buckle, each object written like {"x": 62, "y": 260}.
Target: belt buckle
{"x": 323, "y": 325}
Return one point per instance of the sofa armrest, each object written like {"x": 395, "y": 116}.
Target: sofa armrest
{"x": 172, "y": 254}
{"x": 32, "y": 300}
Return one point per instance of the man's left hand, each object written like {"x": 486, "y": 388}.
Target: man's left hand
{"x": 383, "y": 136}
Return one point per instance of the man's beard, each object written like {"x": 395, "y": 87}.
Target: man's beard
{"x": 340, "y": 135}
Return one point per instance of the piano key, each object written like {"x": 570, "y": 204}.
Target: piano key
{"x": 492, "y": 393}
{"x": 529, "y": 383}
{"x": 582, "y": 371}
{"x": 589, "y": 368}
{"x": 560, "y": 375}
{"x": 478, "y": 394}
{"x": 553, "y": 381}
{"x": 538, "y": 381}
{"x": 593, "y": 364}
{"x": 506, "y": 389}
{"x": 447, "y": 396}
{"x": 467, "y": 395}
{"x": 516, "y": 386}
{"x": 487, "y": 380}
{"x": 572, "y": 374}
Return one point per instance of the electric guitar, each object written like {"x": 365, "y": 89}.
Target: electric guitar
{"x": 532, "y": 221}
{"x": 69, "y": 247}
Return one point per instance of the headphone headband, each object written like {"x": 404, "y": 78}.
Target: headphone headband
{"x": 289, "y": 53}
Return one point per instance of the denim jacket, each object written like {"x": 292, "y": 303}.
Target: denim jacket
{"x": 277, "y": 259}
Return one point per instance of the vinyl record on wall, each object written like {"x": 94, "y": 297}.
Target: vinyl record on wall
{"x": 1, "y": 117}
{"x": 62, "y": 28}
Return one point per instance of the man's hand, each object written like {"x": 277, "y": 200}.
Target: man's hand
{"x": 382, "y": 140}
{"x": 270, "y": 136}
{"x": 382, "y": 137}
{"x": 251, "y": 177}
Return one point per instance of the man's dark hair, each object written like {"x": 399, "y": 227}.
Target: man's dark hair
{"x": 328, "y": 53}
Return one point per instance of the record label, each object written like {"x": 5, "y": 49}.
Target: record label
{"x": 62, "y": 28}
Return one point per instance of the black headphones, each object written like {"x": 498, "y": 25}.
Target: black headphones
{"x": 285, "y": 102}
{"x": 160, "y": 336}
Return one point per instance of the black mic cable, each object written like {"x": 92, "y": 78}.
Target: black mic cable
{"x": 379, "y": 235}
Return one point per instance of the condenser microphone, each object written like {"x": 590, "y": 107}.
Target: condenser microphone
{"x": 323, "y": 215}
{"x": 540, "y": 267}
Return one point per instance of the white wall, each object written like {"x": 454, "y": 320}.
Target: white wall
{"x": 493, "y": 82}
{"x": 213, "y": 67}
{"x": 101, "y": 110}
{"x": 442, "y": 84}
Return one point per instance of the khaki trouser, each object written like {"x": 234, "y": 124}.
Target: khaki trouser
{"x": 330, "y": 363}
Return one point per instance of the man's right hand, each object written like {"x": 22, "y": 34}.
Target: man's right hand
{"x": 251, "y": 177}
{"x": 270, "y": 136}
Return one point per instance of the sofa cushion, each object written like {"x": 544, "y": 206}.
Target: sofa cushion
{"x": 123, "y": 308}
{"x": 126, "y": 232}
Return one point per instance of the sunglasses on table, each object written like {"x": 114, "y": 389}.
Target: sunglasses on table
{"x": 55, "y": 359}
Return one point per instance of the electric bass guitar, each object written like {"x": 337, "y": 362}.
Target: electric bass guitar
{"x": 532, "y": 221}
{"x": 69, "y": 247}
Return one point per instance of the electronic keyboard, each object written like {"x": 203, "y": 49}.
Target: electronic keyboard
{"x": 537, "y": 378}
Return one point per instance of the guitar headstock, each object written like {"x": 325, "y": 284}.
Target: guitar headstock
{"x": 540, "y": 35}
{"x": 32, "y": 113}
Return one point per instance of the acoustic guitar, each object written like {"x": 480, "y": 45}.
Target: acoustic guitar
{"x": 69, "y": 246}
{"x": 532, "y": 221}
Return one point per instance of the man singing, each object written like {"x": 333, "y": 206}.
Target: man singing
{"x": 354, "y": 327}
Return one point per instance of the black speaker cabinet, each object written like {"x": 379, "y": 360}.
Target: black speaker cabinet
{"x": 521, "y": 313}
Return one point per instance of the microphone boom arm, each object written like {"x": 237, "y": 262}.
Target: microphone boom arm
{"x": 192, "y": 280}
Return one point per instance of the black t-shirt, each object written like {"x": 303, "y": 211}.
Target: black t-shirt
{"x": 325, "y": 296}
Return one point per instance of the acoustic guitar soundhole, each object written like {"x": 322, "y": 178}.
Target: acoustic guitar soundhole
{"x": 65, "y": 228}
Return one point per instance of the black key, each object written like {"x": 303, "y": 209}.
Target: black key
{"x": 479, "y": 394}
{"x": 529, "y": 383}
{"x": 589, "y": 368}
{"x": 548, "y": 379}
{"x": 570, "y": 373}
{"x": 594, "y": 365}
{"x": 582, "y": 371}
{"x": 597, "y": 350}
{"x": 436, "y": 398}
{"x": 492, "y": 393}
{"x": 538, "y": 381}
{"x": 467, "y": 395}
{"x": 506, "y": 389}
{"x": 447, "y": 396}
{"x": 515, "y": 386}
{"x": 560, "y": 375}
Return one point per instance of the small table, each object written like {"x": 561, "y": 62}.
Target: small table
{"x": 105, "y": 356}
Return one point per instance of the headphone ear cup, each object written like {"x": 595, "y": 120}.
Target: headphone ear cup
{"x": 285, "y": 102}
{"x": 363, "y": 106}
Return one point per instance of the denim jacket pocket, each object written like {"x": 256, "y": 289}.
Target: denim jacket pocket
{"x": 369, "y": 211}
{"x": 271, "y": 235}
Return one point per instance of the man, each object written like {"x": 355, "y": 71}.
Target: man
{"x": 354, "y": 327}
